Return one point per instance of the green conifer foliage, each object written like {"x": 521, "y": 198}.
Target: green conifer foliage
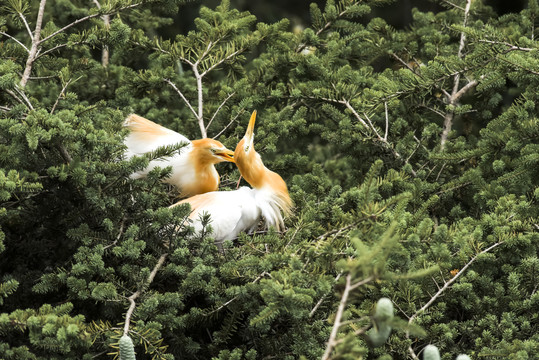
{"x": 411, "y": 154}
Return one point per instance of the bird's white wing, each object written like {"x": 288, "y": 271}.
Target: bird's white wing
{"x": 146, "y": 136}
{"x": 231, "y": 212}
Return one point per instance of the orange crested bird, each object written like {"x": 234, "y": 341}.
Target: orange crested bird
{"x": 193, "y": 170}
{"x": 232, "y": 212}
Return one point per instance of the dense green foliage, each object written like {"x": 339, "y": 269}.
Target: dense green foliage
{"x": 411, "y": 155}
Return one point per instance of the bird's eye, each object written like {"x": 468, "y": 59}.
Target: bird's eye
{"x": 213, "y": 151}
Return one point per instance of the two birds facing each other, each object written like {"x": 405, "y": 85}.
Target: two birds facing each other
{"x": 194, "y": 173}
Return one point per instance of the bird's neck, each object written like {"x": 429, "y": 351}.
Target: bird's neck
{"x": 261, "y": 178}
{"x": 205, "y": 176}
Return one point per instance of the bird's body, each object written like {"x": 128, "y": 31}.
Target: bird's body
{"x": 232, "y": 212}
{"x": 193, "y": 170}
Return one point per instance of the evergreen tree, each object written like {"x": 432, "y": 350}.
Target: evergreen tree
{"x": 411, "y": 156}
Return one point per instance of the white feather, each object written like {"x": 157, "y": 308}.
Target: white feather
{"x": 231, "y": 212}
{"x": 146, "y": 136}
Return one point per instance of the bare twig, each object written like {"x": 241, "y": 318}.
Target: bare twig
{"x": 120, "y": 233}
{"x": 105, "y": 50}
{"x": 332, "y": 341}
{"x": 23, "y": 95}
{"x": 322, "y": 29}
{"x": 454, "y": 5}
{"x": 35, "y": 43}
{"x": 64, "y": 153}
{"x": 230, "y": 123}
{"x": 338, "y": 317}
{"x": 200, "y": 114}
{"x": 511, "y": 46}
{"x": 14, "y": 39}
{"x": 219, "y": 108}
{"x": 137, "y": 293}
{"x": 60, "y": 95}
{"x": 387, "y": 122}
{"x": 322, "y": 298}
{"x": 444, "y": 288}
{"x": 181, "y": 95}
{"x": 230, "y": 56}
{"x": 78, "y": 21}
{"x": 456, "y": 93}
{"x": 26, "y": 24}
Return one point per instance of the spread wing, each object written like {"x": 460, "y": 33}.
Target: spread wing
{"x": 146, "y": 136}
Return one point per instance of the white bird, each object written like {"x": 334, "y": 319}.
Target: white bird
{"x": 232, "y": 212}
{"x": 193, "y": 170}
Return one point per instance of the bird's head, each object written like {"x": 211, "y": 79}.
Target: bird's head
{"x": 247, "y": 159}
{"x": 212, "y": 151}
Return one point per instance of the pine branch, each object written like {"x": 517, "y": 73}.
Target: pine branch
{"x": 230, "y": 123}
{"x": 35, "y": 43}
{"x": 78, "y": 21}
{"x": 511, "y": 46}
{"x": 230, "y": 56}
{"x": 21, "y": 15}
{"x": 181, "y": 95}
{"x": 323, "y": 298}
{"x": 105, "y": 50}
{"x": 137, "y": 293}
{"x": 14, "y": 39}
{"x": 447, "y": 284}
{"x": 322, "y": 29}
{"x": 456, "y": 93}
{"x": 453, "y": 5}
{"x": 219, "y": 108}
{"x": 61, "y": 93}
{"x": 332, "y": 342}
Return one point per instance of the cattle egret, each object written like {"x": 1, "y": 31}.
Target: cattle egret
{"x": 232, "y": 212}
{"x": 193, "y": 170}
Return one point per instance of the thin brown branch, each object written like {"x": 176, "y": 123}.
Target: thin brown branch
{"x": 332, "y": 341}
{"x": 46, "y": 52}
{"x": 13, "y": 95}
{"x": 463, "y": 90}
{"x": 137, "y": 293}
{"x": 64, "y": 153}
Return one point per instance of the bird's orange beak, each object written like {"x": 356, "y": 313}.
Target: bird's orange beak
{"x": 226, "y": 155}
{"x": 250, "y": 133}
